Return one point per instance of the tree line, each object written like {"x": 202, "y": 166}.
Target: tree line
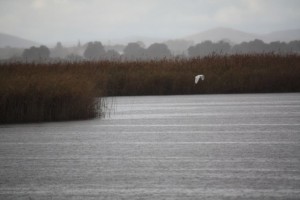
{"x": 252, "y": 47}
{"x": 157, "y": 51}
{"x": 96, "y": 51}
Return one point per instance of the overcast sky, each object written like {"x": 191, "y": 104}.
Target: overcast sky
{"x": 48, "y": 21}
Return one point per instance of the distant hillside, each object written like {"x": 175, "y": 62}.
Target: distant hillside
{"x": 13, "y": 41}
{"x": 284, "y": 36}
{"x": 218, "y": 34}
{"x": 237, "y": 36}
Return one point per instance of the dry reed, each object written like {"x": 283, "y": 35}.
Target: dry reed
{"x": 64, "y": 91}
{"x": 34, "y": 93}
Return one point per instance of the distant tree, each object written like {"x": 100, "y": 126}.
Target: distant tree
{"x": 158, "y": 51}
{"x": 59, "y": 51}
{"x": 257, "y": 46}
{"x": 36, "y": 53}
{"x": 201, "y": 49}
{"x": 294, "y": 46}
{"x": 74, "y": 58}
{"x": 133, "y": 51}
{"x": 277, "y": 47}
{"x": 44, "y": 51}
{"x": 222, "y": 47}
{"x": 117, "y": 47}
{"x": 241, "y": 48}
{"x": 112, "y": 55}
{"x": 94, "y": 51}
{"x": 141, "y": 43}
{"x": 208, "y": 47}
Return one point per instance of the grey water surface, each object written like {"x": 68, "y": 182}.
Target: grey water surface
{"x": 244, "y": 146}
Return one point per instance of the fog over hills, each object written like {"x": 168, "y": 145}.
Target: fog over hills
{"x": 7, "y": 40}
{"x": 215, "y": 35}
{"x": 221, "y": 33}
{"x": 237, "y": 36}
{"x": 284, "y": 36}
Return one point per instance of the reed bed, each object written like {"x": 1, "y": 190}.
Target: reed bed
{"x": 65, "y": 91}
{"x": 223, "y": 74}
{"x": 35, "y": 93}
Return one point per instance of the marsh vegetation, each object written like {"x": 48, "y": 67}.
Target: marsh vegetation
{"x": 65, "y": 91}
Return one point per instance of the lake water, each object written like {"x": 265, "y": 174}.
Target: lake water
{"x": 160, "y": 147}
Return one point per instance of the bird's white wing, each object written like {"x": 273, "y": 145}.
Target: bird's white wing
{"x": 200, "y": 76}
{"x": 197, "y": 79}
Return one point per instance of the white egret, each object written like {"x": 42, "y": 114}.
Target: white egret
{"x": 200, "y": 76}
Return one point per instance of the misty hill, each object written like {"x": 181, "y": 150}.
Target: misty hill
{"x": 7, "y": 40}
{"x": 218, "y": 34}
{"x": 236, "y": 36}
{"x": 283, "y": 36}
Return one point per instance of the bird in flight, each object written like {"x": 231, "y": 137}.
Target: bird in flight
{"x": 198, "y": 77}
